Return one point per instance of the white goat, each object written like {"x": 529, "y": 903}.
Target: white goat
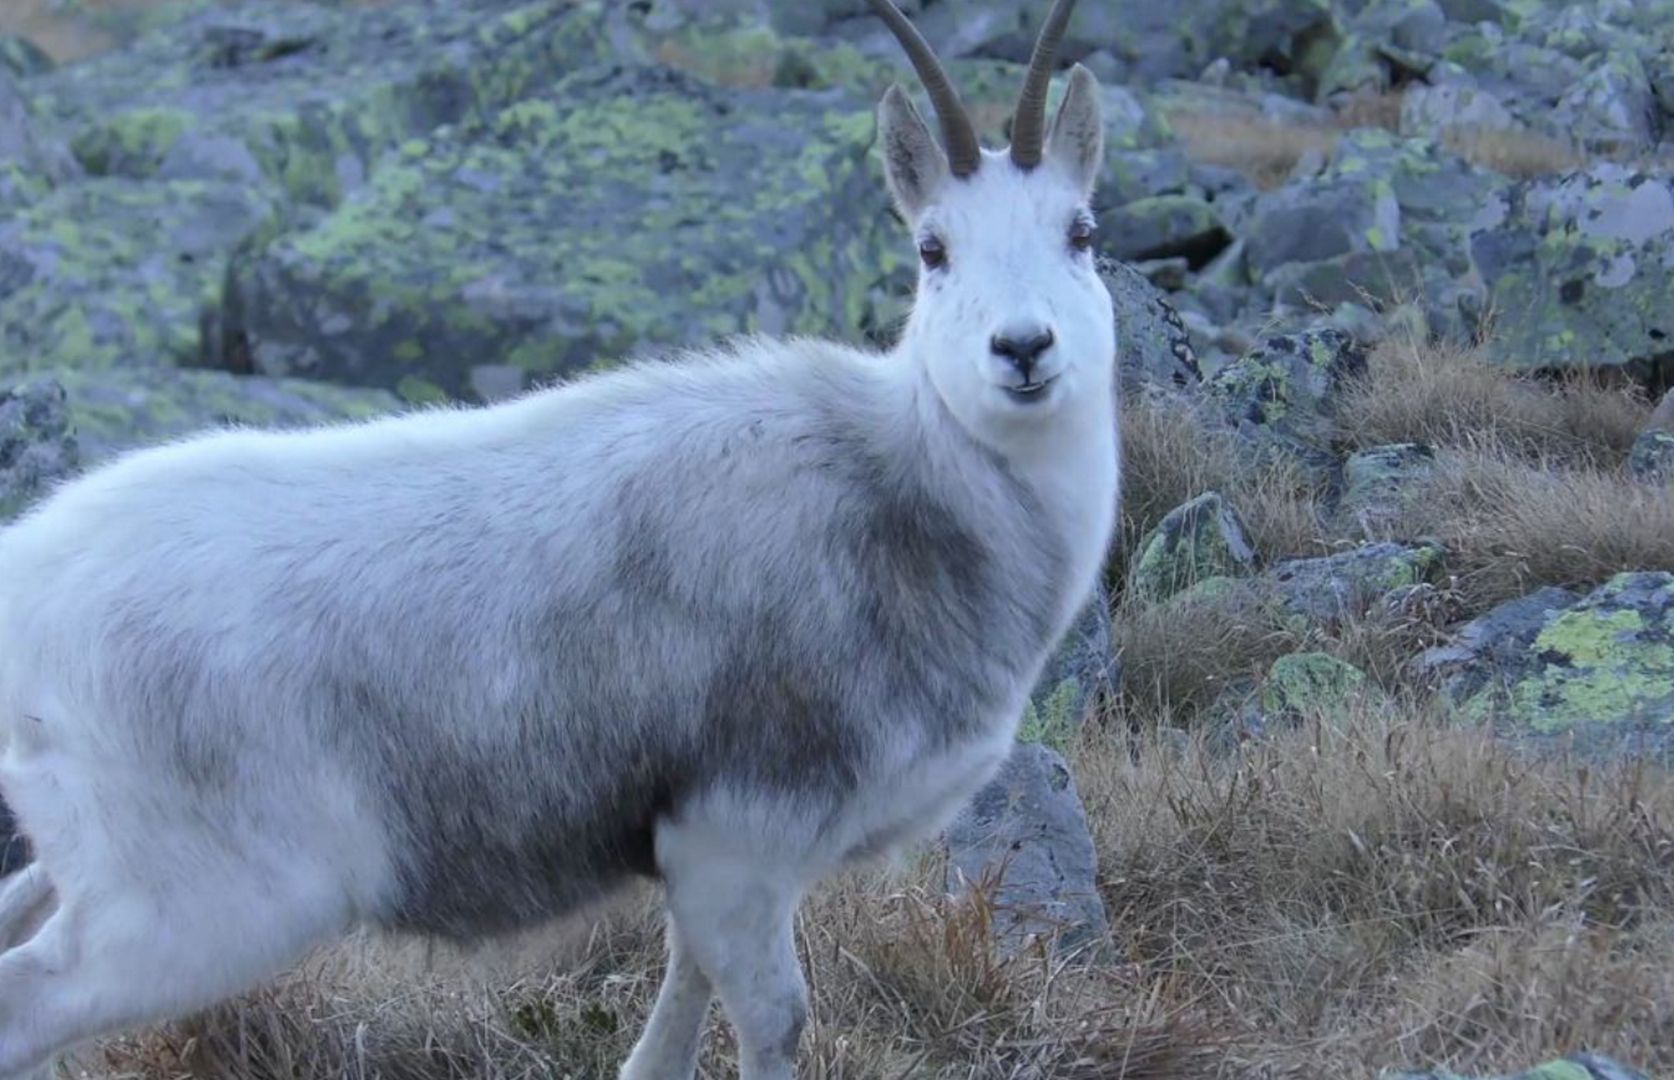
{"x": 732, "y": 621}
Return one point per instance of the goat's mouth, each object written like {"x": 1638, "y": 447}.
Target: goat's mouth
{"x": 1032, "y": 391}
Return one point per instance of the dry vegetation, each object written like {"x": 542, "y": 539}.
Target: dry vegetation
{"x": 1367, "y": 892}
{"x": 1268, "y": 151}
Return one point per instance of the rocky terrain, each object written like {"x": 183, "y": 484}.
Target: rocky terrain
{"x": 1394, "y": 284}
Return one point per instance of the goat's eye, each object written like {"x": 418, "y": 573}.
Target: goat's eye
{"x": 1081, "y": 235}
{"x": 933, "y": 252}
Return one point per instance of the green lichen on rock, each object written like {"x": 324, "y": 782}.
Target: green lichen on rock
{"x": 1282, "y": 393}
{"x": 111, "y": 272}
{"x": 1200, "y": 539}
{"x": 1350, "y": 583}
{"x": 1600, "y": 671}
{"x": 1312, "y": 685}
{"x": 1581, "y": 272}
{"x": 308, "y": 97}
{"x": 579, "y": 226}
{"x": 120, "y": 409}
{"x": 1652, "y": 457}
{"x": 1381, "y": 481}
{"x": 37, "y": 445}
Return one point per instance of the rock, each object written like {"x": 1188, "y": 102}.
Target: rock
{"x": 1652, "y": 457}
{"x": 1581, "y": 270}
{"x": 1612, "y": 109}
{"x": 1153, "y": 349}
{"x": 108, "y": 272}
{"x": 1434, "y": 112}
{"x": 1494, "y": 639}
{"x": 116, "y": 410}
{"x": 22, "y": 57}
{"x": 1350, "y": 583}
{"x": 315, "y": 95}
{"x": 1164, "y": 226}
{"x": 1284, "y": 392}
{"x": 1081, "y": 673}
{"x": 1379, "y": 482}
{"x": 1321, "y": 219}
{"x": 1597, "y": 674}
{"x": 1026, "y": 834}
{"x": 1574, "y": 1067}
{"x": 490, "y": 256}
{"x": 31, "y": 162}
{"x": 1300, "y": 688}
{"x": 1200, "y": 539}
{"x": 1302, "y": 685}
{"x": 37, "y": 446}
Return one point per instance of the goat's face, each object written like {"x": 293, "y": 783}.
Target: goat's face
{"x": 1011, "y": 322}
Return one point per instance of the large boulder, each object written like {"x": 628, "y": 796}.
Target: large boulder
{"x": 1025, "y": 838}
{"x": 37, "y": 445}
{"x": 1581, "y": 271}
{"x": 116, "y": 272}
{"x": 1596, "y": 673}
{"x": 1081, "y": 673}
{"x": 307, "y": 97}
{"x": 579, "y": 227}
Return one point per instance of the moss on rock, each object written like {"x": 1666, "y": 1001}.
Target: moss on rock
{"x": 493, "y": 255}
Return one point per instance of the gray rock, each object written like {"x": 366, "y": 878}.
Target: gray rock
{"x": 1596, "y": 675}
{"x": 1081, "y": 673}
{"x": 123, "y": 408}
{"x": 1026, "y": 835}
{"x": 1580, "y": 272}
{"x": 315, "y": 94}
{"x": 32, "y": 163}
{"x": 1612, "y": 108}
{"x": 1163, "y": 226}
{"x": 1379, "y": 482}
{"x": 1153, "y": 348}
{"x": 1200, "y": 539}
{"x": 1350, "y": 583}
{"x": 1284, "y": 393}
{"x": 1652, "y": 457}
{"x": 37, "y": 446}
{"x": 463, "y": 249}
{"x": 1496, "y": 637}
{"x": 112, "y": 272}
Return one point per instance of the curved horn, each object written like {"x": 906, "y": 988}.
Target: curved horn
{"x": 963, "y": 154}
{"x": 1028, "y": 123}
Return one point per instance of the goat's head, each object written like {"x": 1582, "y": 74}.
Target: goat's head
{"x": 1011, "y": 320}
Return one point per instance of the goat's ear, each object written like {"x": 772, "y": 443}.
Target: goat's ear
{"x": 914, "y": 162}
{"x": 1077, "y": 140}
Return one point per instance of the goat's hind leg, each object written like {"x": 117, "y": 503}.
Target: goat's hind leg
{"x": 97, "y": 966}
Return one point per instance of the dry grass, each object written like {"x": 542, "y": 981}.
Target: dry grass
{"x": 1325, "y": 904}
{"x": 1457, "y": 398}
{"x": 1171, "y": 453}
{"x": 1524, "y": 155}
{"x": 1402, "y": 893}
{"x": 1265, "y": 151}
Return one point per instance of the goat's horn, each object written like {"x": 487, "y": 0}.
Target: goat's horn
{"x": 1028, "y": 124}
{"x": 963, "y": 154}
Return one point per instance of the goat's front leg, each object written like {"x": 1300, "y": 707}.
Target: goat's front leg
{"x": 733, "y": 908}
{"x": 668, "y": 1047}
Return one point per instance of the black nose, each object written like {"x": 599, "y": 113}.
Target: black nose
{"x": 1022, "y": 348}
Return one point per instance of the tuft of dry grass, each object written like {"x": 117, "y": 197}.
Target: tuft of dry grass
{"x": 1452, "y": 397}
{"x": 1265, "y": 151}
{"x": 1394, "y": 893}
{"x": 1524, "y": 155}
{"x": 1512, "y": 525}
